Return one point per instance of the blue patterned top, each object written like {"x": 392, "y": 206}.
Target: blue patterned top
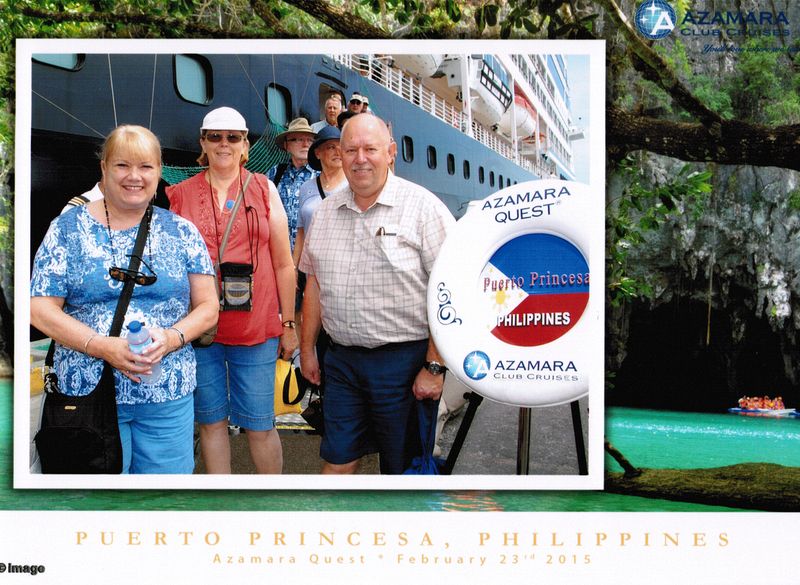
{"x": 73, "y": 261}
{"x": 289, "y": 189}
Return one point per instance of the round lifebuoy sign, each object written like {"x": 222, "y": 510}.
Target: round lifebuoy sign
{"x": 511, "y": 302}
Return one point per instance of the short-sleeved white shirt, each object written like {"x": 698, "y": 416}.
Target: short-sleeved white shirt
{"x": 373, "y": 266}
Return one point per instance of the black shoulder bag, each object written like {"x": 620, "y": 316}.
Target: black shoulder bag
{"x": 80, "y": 434}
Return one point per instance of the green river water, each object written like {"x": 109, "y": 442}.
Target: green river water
{"x": 649, "y": 438}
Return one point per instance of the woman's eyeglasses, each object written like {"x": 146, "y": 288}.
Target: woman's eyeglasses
{"x": 218, "y": 136}
{"x": 140, "y": 278}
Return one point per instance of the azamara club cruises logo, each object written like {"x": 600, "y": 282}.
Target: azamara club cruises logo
{"x": 655, "y": 19}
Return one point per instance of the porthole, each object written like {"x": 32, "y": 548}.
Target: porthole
{"x": 279, "y": 104}
{"x": 68, "y": 61}
{"x": 408, "y": 149}
{"x": 193, "y": 79}
{"x": 431, "y": 157}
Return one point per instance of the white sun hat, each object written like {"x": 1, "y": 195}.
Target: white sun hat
{"x": 224, "y": 118}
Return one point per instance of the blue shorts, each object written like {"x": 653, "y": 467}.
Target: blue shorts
{"x": 236, "y": 382}
{"x": 368, "y": 403}
{"x": 157, "y": 437}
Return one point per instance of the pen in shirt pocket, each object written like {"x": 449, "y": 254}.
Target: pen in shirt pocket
{"x": 382, "y": 232}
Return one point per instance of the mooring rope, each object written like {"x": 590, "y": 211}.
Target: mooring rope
{"x": 111, "y": 82}
{"x": 152, "y": 93}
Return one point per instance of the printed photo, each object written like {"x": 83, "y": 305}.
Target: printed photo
{"x": 242, "y": 312}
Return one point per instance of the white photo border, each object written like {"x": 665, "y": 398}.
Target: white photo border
{"x": 24, "y": 478}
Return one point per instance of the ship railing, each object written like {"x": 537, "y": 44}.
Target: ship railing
{"x": 410, "y": 89}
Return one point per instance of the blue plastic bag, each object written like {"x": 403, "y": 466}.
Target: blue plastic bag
{"x": 426, "y": 463}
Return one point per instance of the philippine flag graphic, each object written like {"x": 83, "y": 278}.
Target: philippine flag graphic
{"x": 536, "y": 287}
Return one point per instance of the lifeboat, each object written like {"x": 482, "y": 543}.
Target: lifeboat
{"x": 489, "y": 93}
{"x": 420, "y": 65}
{"x": 525, "y": 117}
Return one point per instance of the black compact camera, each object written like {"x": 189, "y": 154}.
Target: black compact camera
{"x": 237, "y": 286}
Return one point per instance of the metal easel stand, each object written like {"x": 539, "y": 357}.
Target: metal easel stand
{"x": 474, "y": 401}
{"x": 524, "y": 440}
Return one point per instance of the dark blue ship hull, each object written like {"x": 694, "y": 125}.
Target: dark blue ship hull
{"x": 73, "y": 108}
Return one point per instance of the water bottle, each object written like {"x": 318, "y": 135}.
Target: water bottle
{"x": 138, "y": 339}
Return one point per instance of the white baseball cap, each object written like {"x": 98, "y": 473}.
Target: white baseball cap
{"x": 224, "y": 119}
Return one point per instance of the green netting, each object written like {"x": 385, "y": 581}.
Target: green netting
{"x": 264, "y": 154}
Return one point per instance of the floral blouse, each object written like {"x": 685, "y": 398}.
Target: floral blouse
{"x": 73, "y": 261}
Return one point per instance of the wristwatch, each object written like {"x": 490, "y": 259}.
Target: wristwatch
{"x": 435, "y": 368}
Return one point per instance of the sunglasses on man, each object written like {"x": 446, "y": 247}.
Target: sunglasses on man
{"x": 218, "y": 136}
{"x": 356, "y": 102}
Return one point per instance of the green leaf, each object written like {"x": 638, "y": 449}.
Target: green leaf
{"x": 480, "y": 19}
{"x": 530, "y": 26}
{"x": 491, "y": 11}
{"x": 453, "y": 11}
{"x": 505, "y": 30}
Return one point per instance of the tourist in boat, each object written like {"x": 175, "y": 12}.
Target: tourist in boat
{"x": 369, "y": 292}
{"x": 333, "y": 107}
{"x": 78, "y": 275}
{"x": 288, "y": 176}
{"x": 235, "y": 374}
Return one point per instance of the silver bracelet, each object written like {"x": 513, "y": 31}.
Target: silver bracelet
{"x": 86, "y": 343}
{"x": 180, "y": 334}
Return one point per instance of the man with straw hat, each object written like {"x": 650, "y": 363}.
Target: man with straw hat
{"x": 288, "y": 176}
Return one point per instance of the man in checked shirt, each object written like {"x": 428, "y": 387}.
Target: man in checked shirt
{"x": 368, "y": 254}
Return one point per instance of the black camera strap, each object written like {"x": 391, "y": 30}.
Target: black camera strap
{"x": 224, "y": 243}
{"x": 124, "y": 297}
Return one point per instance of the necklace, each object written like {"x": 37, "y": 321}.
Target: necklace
{"x": 229, "y": 202}
{"x": 111, "y": 237}
{"x": 327, "y": 183}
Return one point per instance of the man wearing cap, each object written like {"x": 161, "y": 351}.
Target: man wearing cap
{"x": 333, "y": 107}
{"x": 368, "y": 253}
{"x": 288, "y": 177}
{"x": 356, "y": 103}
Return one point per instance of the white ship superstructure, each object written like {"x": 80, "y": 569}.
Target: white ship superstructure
{"x": 519, "y": 105}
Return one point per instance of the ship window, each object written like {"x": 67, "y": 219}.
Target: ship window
{"x": 408, "y": 149}
{"x": 481, "y": 175}
{"x": 193, "y": 79}
{"x": 508, "y": 182}
{"x": 500, "y": 181}
{"x": 68, "y": 61}
{"x": 279, "y": 104}
{"x": 491, "y": 178}
{"x": 451, "y": 164}
{"x": 466, "y": 169}
{"x": 431, "y": 157}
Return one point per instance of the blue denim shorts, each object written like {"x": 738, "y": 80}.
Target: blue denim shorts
{"x": 368, "y": 403}
{"x": 157, "y": 437}
{"x": 236, "y": 382}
